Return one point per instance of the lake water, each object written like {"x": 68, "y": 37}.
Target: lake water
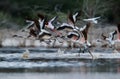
{"x": 12, "y": 66}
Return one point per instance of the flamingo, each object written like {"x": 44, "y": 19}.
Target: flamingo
{"x": 79, "y": 38}
{"x": 110, "y": 38}
{"x": 44, "y": 34}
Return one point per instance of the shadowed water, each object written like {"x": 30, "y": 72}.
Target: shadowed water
{"x": 12, "y": 66}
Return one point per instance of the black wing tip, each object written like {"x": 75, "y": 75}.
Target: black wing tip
{"x": 41, "y": 16}
{"x": 70, "y": 18}
{"x": 79, "y": 12}
{"x": 115, "y": 32}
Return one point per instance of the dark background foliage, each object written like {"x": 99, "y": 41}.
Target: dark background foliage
{"x": 16, "y": 10}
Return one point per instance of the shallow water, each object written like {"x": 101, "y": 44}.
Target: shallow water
{"x": 70, "y": 75}
{"x": 13, "y": 66}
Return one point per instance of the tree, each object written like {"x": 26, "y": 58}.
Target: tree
{"x": 92, "y": 8}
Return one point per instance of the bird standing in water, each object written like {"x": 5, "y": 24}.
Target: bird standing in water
{"x": 26, "y": 54}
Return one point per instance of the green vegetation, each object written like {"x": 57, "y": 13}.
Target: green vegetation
{"x": 15, "y": 11}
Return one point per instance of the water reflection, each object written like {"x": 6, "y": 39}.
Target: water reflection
{"x": 71, "y": 75}
{"x": 12, "y": 67}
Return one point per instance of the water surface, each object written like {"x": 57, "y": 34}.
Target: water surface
{"x": 12, "y": 66}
